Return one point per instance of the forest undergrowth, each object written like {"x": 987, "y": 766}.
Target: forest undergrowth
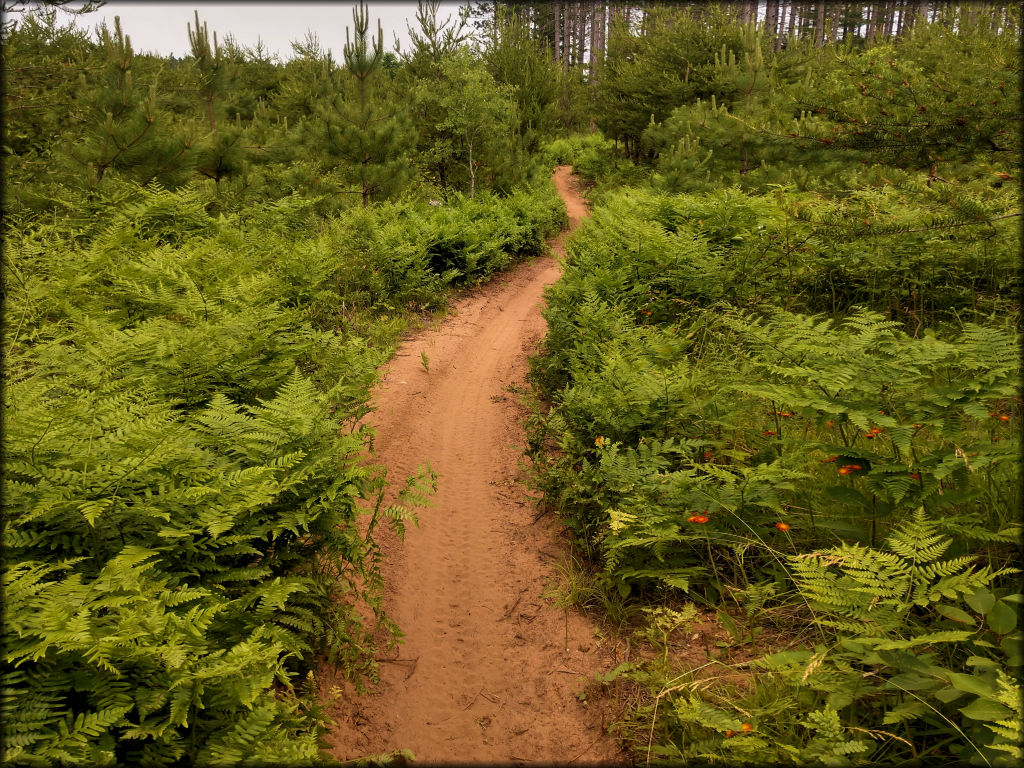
{"x": 194, "y": 317}
{"x": 780, "y": 393}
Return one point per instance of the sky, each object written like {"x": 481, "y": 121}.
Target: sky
{"x": 160, "y": 27}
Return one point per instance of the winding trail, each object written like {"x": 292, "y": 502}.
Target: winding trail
{"x": 484, "y": 673}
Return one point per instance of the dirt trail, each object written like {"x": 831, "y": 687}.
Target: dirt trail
{"x": 483, "y": 674}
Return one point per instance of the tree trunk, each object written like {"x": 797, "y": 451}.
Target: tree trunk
{"x": 593, "y": 42}
{"x": 567, "y": 21}
{"x": 558, "y": 32}
{"x": 472, "y": 170}
{"x": 748, "y": 12}
{"x": 780, "y": 25}
{"x": 819, "y": 25}
{"x": 771, "y": 17}
{"x": 580, "y": 25}
{"x": 887, "y": 19}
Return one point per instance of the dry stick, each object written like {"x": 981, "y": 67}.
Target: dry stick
{"x": 413, "y": 662}
{"x": 541, "y": 514}
{"x": 581, "y": 754}
{"x": 508, "y": 613}
{"x": 650, "y": 737}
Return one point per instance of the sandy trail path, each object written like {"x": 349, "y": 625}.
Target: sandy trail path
{"x": 483, "y": 674}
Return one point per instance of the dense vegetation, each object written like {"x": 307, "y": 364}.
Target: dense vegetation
{"x": 195, "y": 311}
{"x": 783, "y": 374}
{"x": 780, "y": 386}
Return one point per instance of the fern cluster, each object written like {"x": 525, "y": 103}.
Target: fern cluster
{"x": 189, "y": 522}
{"x": 737, "y": 380}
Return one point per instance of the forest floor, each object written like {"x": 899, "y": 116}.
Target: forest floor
{"x": 485, "y": 672}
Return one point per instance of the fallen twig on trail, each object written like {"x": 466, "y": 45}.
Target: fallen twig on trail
{"x": 508, "y": 613}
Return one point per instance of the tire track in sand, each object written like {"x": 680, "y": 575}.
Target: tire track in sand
{"x": 483, "y": 674}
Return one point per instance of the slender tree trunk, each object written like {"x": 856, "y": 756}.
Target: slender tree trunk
{"x": 566, "y": 36}
{"x": 593, "y": 41}
{"x": 819, "y": 24}
{"x": 558, "y": 32}
{"x": 749, "y": 9}
{"x": 889, "y": 18}
{"x": 771, "y": 17}
{"x": 780, "y": 25}
{"x": 579, "y": 33}
{"x": 472, "y": 170}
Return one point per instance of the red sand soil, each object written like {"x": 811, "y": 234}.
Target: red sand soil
{"x": 484, "y": 674}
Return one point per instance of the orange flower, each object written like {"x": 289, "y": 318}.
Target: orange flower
{"x": 854, "y": 467}
{"x": 697, "y": 519}
{"x": 829, "y": 460}
{"x": 784, "y": 414}
{"x": 782, "y": 526}
{"x": 915, "y": 475}
{"x": 843, "y": 470}
{"x": 747, "y": 727}
{"x": 599, "y": 442}
{"x": 769, "y": 433}
{"x": 730, "y": 733}
{"x": 917, "y": 426}
{"x": 1003, "y": 417}
{"x": 830, "y": 423}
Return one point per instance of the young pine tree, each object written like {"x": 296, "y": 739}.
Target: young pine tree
{"x": 221, "y": 154}
{"x": 368, "y": 137}
{"x": 124, "y": 129}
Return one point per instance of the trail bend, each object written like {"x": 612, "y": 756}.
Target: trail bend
{"x": 484, "y": 673}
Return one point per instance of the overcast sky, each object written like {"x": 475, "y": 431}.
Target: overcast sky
{"x": 160, "y": 26}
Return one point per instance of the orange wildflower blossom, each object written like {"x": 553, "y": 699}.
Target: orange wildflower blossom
{"x": 599, "y": 442}
{"x": 697, "y": 519}
{"x": 784, "y": 414}
{"x": 782, "y": 526}
{"x": 915, "y": 475}
{"x": 747, "y": 727}
{"x": 829, "y": 460}
{"x": 769, "y": 433}
{"x": 848, "y": 468}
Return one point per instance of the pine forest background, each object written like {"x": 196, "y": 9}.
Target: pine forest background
{"x": 780, "y": 389}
